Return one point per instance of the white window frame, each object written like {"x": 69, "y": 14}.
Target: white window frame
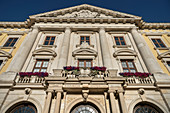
{"x": 157, "y": 37}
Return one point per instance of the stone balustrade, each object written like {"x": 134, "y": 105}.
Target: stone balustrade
{"x": 84, "y": 73}
{"x": 138, "y": 80}
{"x": 31, "y": 79}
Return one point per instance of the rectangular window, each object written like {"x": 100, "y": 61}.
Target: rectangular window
{"x": 128, "y": 66}
{"x": 158, "y": 43}
{"x": 85, "y": 63}
{"x": 49, "y": 40}
{"x": 119, "y": 40}
{"x": 11, "y": 42}
{"x": 85, "y": 39}
{"x": 41, "y": 65}
{"x": 1, "y": 61}
{"x": 168, "y": 64}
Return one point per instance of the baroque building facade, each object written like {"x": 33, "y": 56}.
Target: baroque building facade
{"x": 113, "y": 63}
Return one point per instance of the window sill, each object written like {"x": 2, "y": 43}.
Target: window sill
{"x": 121, "y": 46}
{"x": 78, "y": 45}
{"x": 2, "y": 47}
{"x": 49, "y": 46}
{"x": 162, "y": 48}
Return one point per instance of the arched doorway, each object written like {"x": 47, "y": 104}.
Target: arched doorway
{"x": 22, "y": 107}
{"x": 85, "y": 108}
{"x": 146, "y": 108}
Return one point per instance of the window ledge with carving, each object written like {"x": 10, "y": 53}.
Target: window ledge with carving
{"x": 2, "y": 47}
{"x": 48, "y": 46}
{"x": 162, "y": 48}
{"x": 121, "y": 46}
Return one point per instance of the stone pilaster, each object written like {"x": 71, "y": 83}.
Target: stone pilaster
{"x": 48, "y": 102}
{"x": 22, "y": 53}
{"x": 146, "y": 53}
{"x": 64, "y": 49}
{"x": 113, "y": 102}
{"x": 58, "y": 102}
{"x": 105, "y": 49}
{"x": 122, "y": 102}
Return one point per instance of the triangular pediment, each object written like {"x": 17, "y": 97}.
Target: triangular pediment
{"x": 84, "y": 11}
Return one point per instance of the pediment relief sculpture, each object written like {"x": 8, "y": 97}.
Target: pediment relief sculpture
{"x": 44, "y": 51}
{"x": 84, "y": 14}
{"x": 5, "y": 54}
{"x": 124, "y": 52}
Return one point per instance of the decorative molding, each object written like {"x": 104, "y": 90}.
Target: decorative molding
{"x": 124, "y": 52}
{"x": 84, "y": 50}
{"x": 5, "y": 54}
{"x": 164, "y": 55}
{"x": 44, "y": 51}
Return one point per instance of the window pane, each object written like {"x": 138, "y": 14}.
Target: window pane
{"x": 38, "y": 64}
{"x": 88, "y": 64}
{"x": 12, "y": 44}
{"x": 1, "y": 62}
{"x": 36, "y": 70}
{"x": 154, "y": 40}
{"x": 81, "y": 63}
{"x": 51, "y": 43}
{"x": 121, "y": 38}
{"x": 124, "y": 64}
{"x": 156, "y": 45}
{"x": 53, "y": 38}
{"x": 48, "y": 38}
{"x": 43, "y": 70}
{"x": 168, "y": 64}
{"x": 130, "y": 64}
{"x": 87, "y": 38}
{"x": 125, "y": 70}
{"x": 162, "y": 45}
{"x": 82, "y": 38}
{"x": 117, "y": 43}
{"x": 158, "y": 40}
{"x": 132, "y": 70}
{"x": 45, "y": 64}
{"x": 15, "y": 39}
{"x": 46, "y": 43}
{"x": 123, "y": 43}
{"x": 116, "y": 38}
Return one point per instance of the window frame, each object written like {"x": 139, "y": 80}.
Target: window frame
{"x": 41, "y": 65}
{"x": 85, "y": 60}
{"x": 84, "y": 39}
{"x": 158, "y": 42}
{"x": 11, "y": 42}
{"x": 120, "y": 44}
{"x": 128, "y": 60}
{"x": 49, "y": 40}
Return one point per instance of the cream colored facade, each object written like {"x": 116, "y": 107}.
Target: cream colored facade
{"x": 102, "y": 92}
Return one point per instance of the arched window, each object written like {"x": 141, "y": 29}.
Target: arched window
{"x": 23, "y": 107}
{"x": 85, "y": 108}
{"x": 146, "y": 108}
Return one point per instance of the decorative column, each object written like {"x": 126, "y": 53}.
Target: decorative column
{"x": 105, "y": 49}
{"x": 22, "y": 53}
{"x": 58, "y": 102}
{"x": 122, "y": 102}
{"x": 113, "y": 102}
{"x": 48, "y": 102}
{"x": 146, "y": 53}
{"x": 64, "y": 49}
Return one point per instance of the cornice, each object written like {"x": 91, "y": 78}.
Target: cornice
{"x": 14, "y": 24}
{"x": 155, "y": 26}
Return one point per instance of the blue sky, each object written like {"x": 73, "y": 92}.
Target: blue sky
{"x": 149, "y": 10}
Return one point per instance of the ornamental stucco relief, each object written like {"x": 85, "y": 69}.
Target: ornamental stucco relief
{"x": 85, "y": 14}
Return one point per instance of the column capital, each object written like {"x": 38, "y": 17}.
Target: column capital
{"x": 120, "y": 91}
{"x": 101, "y": 29}
{"x": 67, "y": 28}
